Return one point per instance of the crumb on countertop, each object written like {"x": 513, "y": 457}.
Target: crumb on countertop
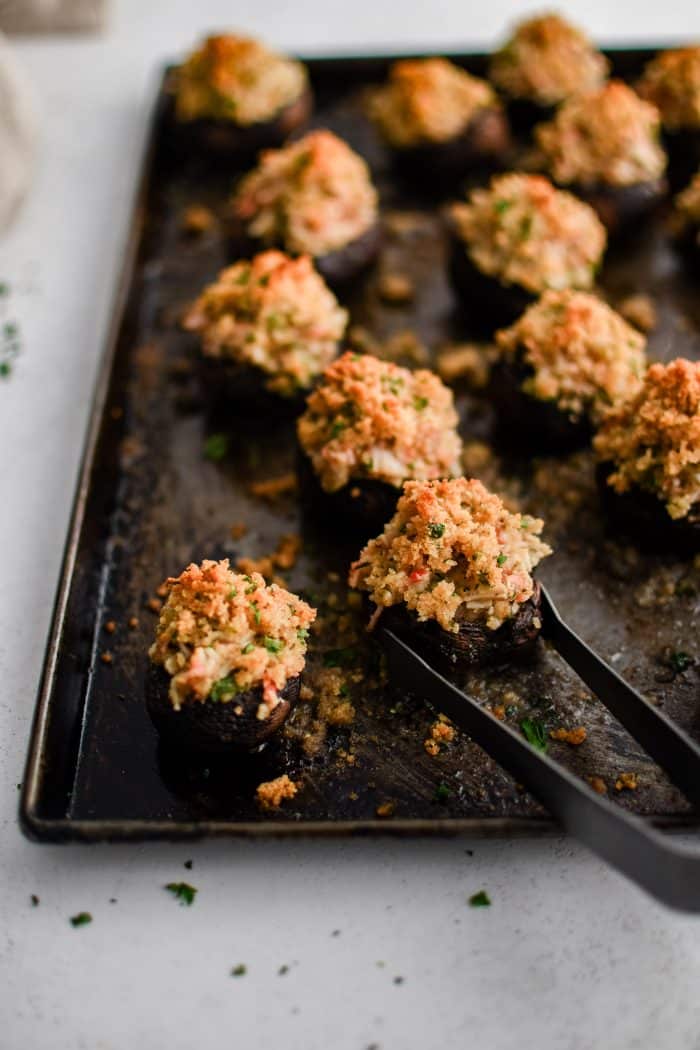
{"x": 574, "y": 736}
{"x": 110, "y": 627}
{"x": 385, "y": 810}
{"x": 107, "y": 657}
{"x": 283, "y": 557}
{"x": 271, "y": 793}
{"x": 598, "y": 785}
{"x": 441, "y": 732}
{"x": 469, "y": 362}
{"x": 395, "y": 288}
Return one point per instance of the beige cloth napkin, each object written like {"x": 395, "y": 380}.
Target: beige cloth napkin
{"x": 46, "y": 16}
{"x": 17, "y": 134}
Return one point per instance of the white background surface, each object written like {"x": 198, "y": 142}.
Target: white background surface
{"x": 568, "y": 956}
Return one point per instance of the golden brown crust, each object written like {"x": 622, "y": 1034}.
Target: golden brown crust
{"x": 546, "y": 60}
{"x": 373, "y": 419}
{"x": 220, "y": 633}
{"x": 452, "y": 552}
{"x": 312, "y": 196}
{"x": 428, "y": 100}
{"x": 272, "y": 793}
{"x": 274, "y": 313}
{"x": 583, "y": 355}
{"x": 236, "y": 79}
{"x": 653, "y": 439}
{"x": 523, "y": 231}
{"x": 608, "y": 136}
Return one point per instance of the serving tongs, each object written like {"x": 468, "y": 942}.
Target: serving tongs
{"x": 664, "y": 868}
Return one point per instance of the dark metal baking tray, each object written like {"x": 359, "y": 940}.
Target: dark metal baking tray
{"x": 148, "y": 502}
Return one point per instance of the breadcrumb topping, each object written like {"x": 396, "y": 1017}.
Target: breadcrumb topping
{"x": 653, "y": 439}
{"x": 274, "y": 313}
{"x": 546, "y": 60}
{"x": 672, "y": 82}
{"x": 272, "y": 793}
{"x": 373, "y": 419}
{"x": 237, "y": 79}
{"x": 525, "y": 232}
{"x": 221, "y": 633}
{"x": 428, "y": 100}
{"x": 314, "y": 195}
{"x": 583, "y": 355}
{"x": 452, "y": 552}
{"x": 610, "y": 135}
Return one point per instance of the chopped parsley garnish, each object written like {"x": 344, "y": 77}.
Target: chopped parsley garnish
{"x": 535, "y": 733}
{"x": 436, "y": 530}
{"x": 81, "y": 919}
{"x": 4, "y": 288}
{"x": 419, "y": 403}
{"x": 273, "y": 322}
{"x": 524, "y": 523}
{"x": 302, "y": 633}
{"x": 339, "y": 657}
{"x": 247, "y": 648}
{"x": 232, "y": 592}
{"x": 480, "y": 900}
{"x": 525, "y": 227}
{"x": 338, "y": 427}
{"x": 251, "y": 588}
{"x": 9, "y": 346}
{"x": 442, "y": 793}
{"x": 680, "y": 662}
{"x": 35, "y": 900}
{"x": 224, "y": 689}
{"x": 264, "y": 280}
{"x": 501, "y": 559}
{"x": 502, "y": 206}
{"x": 256, "y": 612}
{"x": 244, "y": 276}
{"x": 239, "y": 971}
{"x": 182, "y": 891}
{"x": 273, "y": 645}
{"x": 216, "y": 447}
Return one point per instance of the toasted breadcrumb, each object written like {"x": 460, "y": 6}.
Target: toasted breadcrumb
{"x": 609, "y": 135}
{"x": 237, "y": 79}
{"x": 284, "y": 557}
{"x": 639, "y": 310}
{"x": 274, "y": 488}
{"x": 574, "y": 736}
{"x": 133, "y": 622}
{"x": 428, "y": 100}
{"x": 154, "y": 605}
{"x": 452, "y": 550}
{"x": 627, "y": 782}
{"x": 546, "y": 60}
{"x": 385, "y": 810}
{"x": 110, "y": 627}
{"x": 499, "y": 711}
{"x": 238, "y": 530}
{"x": 315, "y": 195}
{"x": 441, "y": 732}
{"x": 107, "y": 658}
{"x": 672, "y": 82}
{"x": 653, "y": 439}
{"x": 598, "y": 785}
{"x": 272, "y": 793}
{"x": 469, "y": 362}
{"x": 523, "y": 231}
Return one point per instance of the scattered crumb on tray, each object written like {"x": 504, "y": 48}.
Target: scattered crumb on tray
{"x": 639, "y": 310}
{"x": 385, "y": 810}
{"x": 274, "y": 488}
{"x": 154, "y": 605}
{"x": 238, "y": 530}
{"x": 133, "y": 622}
{"x": 197, "y": 218}
{"x": 110, "y": 627}
{"x": 468, "y": 362}
{"x": 395, "y": 288}
{"x": 283, "y": 557}
{"x": 574, "y": 736}
{"x": 272, "y": 793}
{"x": 627, "y": 782}
{"x": 106, "y": 657}
{"x": 598, "y": 785}
{"x": 440, "y": 733}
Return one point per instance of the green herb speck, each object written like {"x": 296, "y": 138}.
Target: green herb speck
{"x": 239, "y": 971}
{"x": 680, "y": 662}
{"x": 535, "y": 733}
{"x": 339, "y": 657}
{"x": 273, "y": 645}
{"x": 436, "y": 530}
{"x": 419, "y": 403}
{"x": 501, "y": 559}
{"x": 216, "y": 447}
{"x": 442, "y": 793}
{"x": 81, "y": 919}
{"x": 182, "y": 891}
{"x": 224, "y": 689}
{"x": 247, "y": 648}
{"x": 480, "y": 900}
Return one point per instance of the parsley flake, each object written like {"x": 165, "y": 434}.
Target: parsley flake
{"x": 182, "y": 891}
{"x": 273, "y": 645}
{"x": 239, "y": 971}
{"x": 680, "y": 662}
{"x": 442, "y": 793}
{"x": 480, "y": 900}
{"x": 436, "y": 530}
{"x": 419, "y": 403}
{"x": 535, "y": 733}
{"x": 224, "y": 689}
{"x": 216, "y": 447}
{"x": 81, "y": 919}
{"x": 339, "y": 657}
{"x": 501, "y": 559}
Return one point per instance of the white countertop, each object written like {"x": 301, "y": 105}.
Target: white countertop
{"x": 568, "y": 956}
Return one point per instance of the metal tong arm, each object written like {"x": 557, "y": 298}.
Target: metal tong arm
{"x": 663, "y": 868}
{"x": 676, "y": 753}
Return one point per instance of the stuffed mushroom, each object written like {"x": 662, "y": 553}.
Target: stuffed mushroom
{"x": 452, "y": 574}
{"x": 562, "y": 365}
{"x": 514, "y": 240}
{"x": 368, "y": 426}
{"x": 234, "y": 96}
{"x": 314, "y": 197}
{"x": 672, "y": 82}
{"x": 685, "y": 223}
{"x": 648, "y": 450}
{"x": 226, "y": 663}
